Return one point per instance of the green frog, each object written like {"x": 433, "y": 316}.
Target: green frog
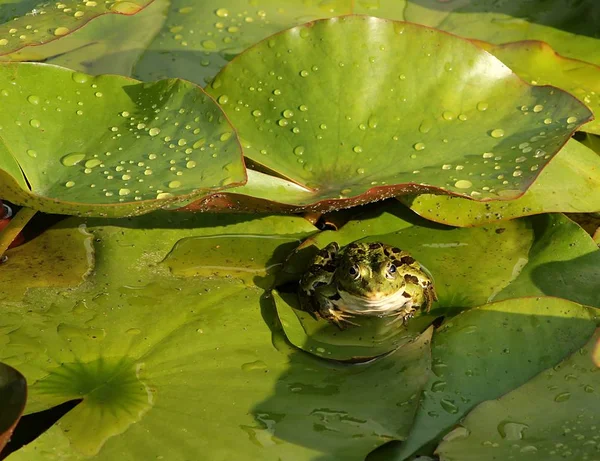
{"x": 365, "y": 279}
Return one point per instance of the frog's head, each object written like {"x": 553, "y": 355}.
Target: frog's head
{"x": 371, "y": 270}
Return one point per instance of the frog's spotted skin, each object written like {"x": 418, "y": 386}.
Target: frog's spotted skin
{"x": 365, "y": 279}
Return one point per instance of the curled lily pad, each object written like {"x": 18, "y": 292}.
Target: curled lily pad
{"x": 109, "y": 145}
{"x": 538, "y": 63}
{"x": 560, "y": 422}
{"x": 28, "y": 23}
{"x": 13, "y": 394}
{"x": 570, "y": 183}
{"x": 350, "y": 108}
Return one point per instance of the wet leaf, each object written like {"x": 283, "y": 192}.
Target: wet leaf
{"x": 155, "y": 356}
{"x": 62, "y": 258}
{"x": 486, "y": 352}
{"x": 312, "y": 109}
{"x": 30, "y": 23}
{"x": 536, "y": 62}
{"x": 198, "y": 39}
{"x": 569, "y": 28}
{"x": 570, "y": 183}
{"x": 13, "y": 394}
{"x": 569, "y": 270}
{"x": 559, "y": 423}
{"x": 109, "y": 145}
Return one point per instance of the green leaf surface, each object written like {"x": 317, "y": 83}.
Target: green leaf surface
{"x": 110, "y": 145}
{"x": 569, "y": 269}
{"x": 570, "y": 183}
{"x": 28, "y": 22}
{"x": 111, "y": 44}
{"x": 537, "y": 63}
{"x": 485, "y": 352}
{"x": 570, "y": 28}
{"x": 198, "y": 39}
{"x": 13, "y": 394}
{"x": 561, "y": 422}
{"x": 184, "y": 364}
{"x": 320, "y": 105}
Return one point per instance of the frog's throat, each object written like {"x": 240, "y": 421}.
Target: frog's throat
{"x": 387, "y": 304}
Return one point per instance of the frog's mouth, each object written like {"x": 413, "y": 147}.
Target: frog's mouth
{"x": 376, "y": 304}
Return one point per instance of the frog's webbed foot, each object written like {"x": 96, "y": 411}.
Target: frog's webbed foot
{"x": 340, "y": 318}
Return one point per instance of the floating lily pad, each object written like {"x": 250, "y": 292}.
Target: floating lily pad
{"x": 344, "y": 108}
{"x": 28, "y": 23}
{"x": 198, "y": 39}
{"x": 486, "y": 352}
{"x": 153, "y": 355}
{"x": 571, "y": 29}
{"x": 13, "y": 394}
{"x": 537, "y": 63}
{"x": 560, "y": 422}
{"x": 570, "y": 183}
{"x": 109, "y": 145}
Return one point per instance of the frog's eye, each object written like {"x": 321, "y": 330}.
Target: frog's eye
{"x": 354, "y": 272}
{"x": 391, "y": 271}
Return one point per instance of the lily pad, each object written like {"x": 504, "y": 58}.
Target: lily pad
{"x": 571, "y": 29}
{"x": 486, "y": 352}
{"x": 109, "y": 145}
{"x": 521, "y": 428}
{"x": 341, "y": 107}
{"x": 13, "y": 394}
{"x": 30, "y": 23}
{"x": 154, "y": 355}
{"x": 570, "y": 183}
{"x": 198, "y": 39}
{"x": 537, "y": 63}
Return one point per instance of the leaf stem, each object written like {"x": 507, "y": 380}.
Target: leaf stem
{"x": 15, "y": 226}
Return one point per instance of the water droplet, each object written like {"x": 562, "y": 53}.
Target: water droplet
{"x": 360, "y": 170}
{"x": 299, "y": 150}
{"x": 282, "y": 122}
{"x": 357, "y": 149}
{"x": 3, "y": 42}
{"x": 482, "y": 106}
{"x": 209, "y": 45}
{"x": 463, "y": 184}
{"x": 31, "y": 153}
{"x": 288, "y": 113}
{"x": 323, "y": 126}
{"x": 256, "y": 365}
{"x": 72, "y": 159}
{"x": 223, "y": 99}
{"x": 510, "y": 430}
{"x": 303, "y": 108}
{"x": 93, "y": 162}
{"x": 60, "y": 31}
{"x": 123, "y": 192}
{"x": 373, "y": 121}
{"x": 497, "y": 133}
{"x": 124, "y": 7}
{"x": 222, "y": 12}
{"x": 528, "y": 449}
{"x": 69, "y": 183}
{"x": 447, "y": 115}
{"x": 562, "y": 397}
{"x": 174, "y": 184}
{"x": 449, "y": 406}
{"x": 304, "y": 73}
{"x": 487, "y": 155}
{"x": 419, "y": 146}
{"x": 547, "y": 121}
{"x": 425, "y": 126}
{"x": 34, "y": 123}
{"x": 163, "y": 195}
{"x": 154, "y": 131}
{"x": 190, "y": 164}
{"x": 589, "y": 389}
{"x": 133, "y": 331}
{"x": 33, "y": 99}
{"x": 571, "y": 119}
{"x": 538, "y": 108}
{"x": 256, "y": 113}
{"x": 199, "y": 143}
{"x": 438, "y": 386}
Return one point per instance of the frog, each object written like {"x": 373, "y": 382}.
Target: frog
{"x": 365, "y": 278}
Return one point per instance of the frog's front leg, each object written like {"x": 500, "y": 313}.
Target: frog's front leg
{"x": 329, "y": 311}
